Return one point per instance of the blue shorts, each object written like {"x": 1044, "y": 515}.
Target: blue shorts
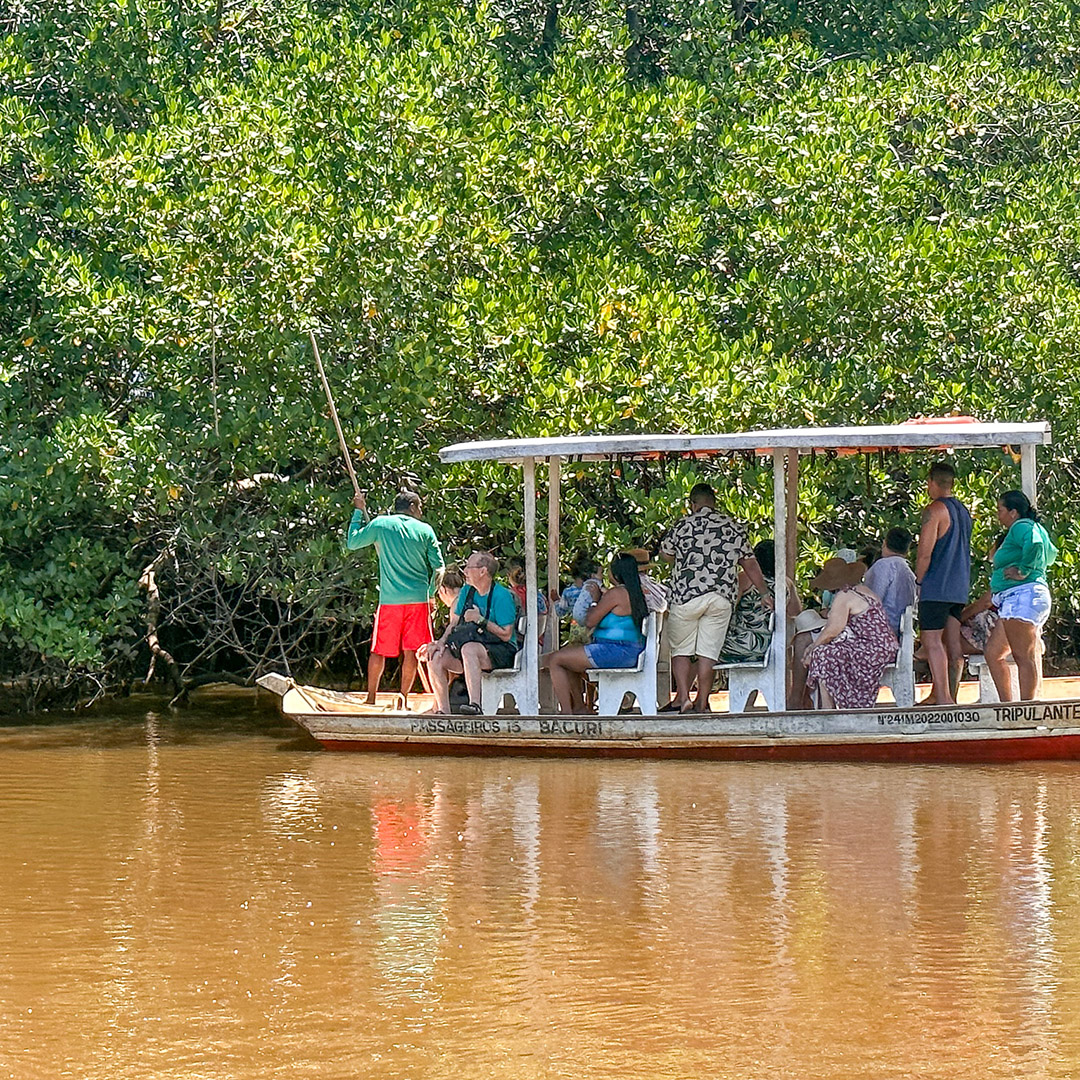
{"x": 1029, "y": 603}
{"x": 613, "y": 654}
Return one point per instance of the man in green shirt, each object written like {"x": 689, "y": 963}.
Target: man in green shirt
{"x": 410, "y": 563}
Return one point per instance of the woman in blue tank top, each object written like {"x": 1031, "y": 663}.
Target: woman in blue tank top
{"x": 617, "y": 622}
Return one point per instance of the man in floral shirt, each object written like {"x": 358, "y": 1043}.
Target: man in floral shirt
{"x": 707, "y": 548}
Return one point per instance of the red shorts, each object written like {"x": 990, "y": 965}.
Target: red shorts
{"x": 401, "y": 626}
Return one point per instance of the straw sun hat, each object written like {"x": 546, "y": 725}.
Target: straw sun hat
{"x": 838, "y": 573}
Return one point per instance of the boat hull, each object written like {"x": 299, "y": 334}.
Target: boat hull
{"x": 986, "y": 733}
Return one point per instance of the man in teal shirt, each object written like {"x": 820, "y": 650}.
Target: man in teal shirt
{"x": 410, "y": 563}
{"x": 492, "y": 609}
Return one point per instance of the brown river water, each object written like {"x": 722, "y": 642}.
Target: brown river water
{"x": 207, "y": 895}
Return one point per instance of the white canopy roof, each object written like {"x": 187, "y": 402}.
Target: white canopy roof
{"x": 913, "y": 435}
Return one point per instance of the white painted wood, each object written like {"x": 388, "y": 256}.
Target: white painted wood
{"x": 988, "y": 692}
{"x": 551, "y": 639}
{"x": 530, "y": 699}
{"x": 1027, "y": 473}
{"x": 613, "y": 684}
{"x": 276, "y": 684}
{"x": 778, "y": 697}
{"x": 495, "y": 685}
{"x": 792, "y": 512}
{"x": 749, "y": 677}
{"x": 884, "y": 724}
{"x": 871, "y": 437}
{"x": 900, "y": 677}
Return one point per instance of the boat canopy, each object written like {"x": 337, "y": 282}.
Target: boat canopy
{"x": 931, "y": 434}
{"x": 784, "y": 446}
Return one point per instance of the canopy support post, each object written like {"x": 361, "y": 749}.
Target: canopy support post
{"x": 551, "y": 640}
{"x": 778, "y": 700}
{"x": 530, "y": 660}
{"x": 1027, "y": 471}
{"x": 792, "y": 511}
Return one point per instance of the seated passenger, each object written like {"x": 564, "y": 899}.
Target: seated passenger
{"x": 856, "y": 644}
{"x": 617, "y": 622}
{"x": 748, "y": 634}
{"x": 583, "y": 569}
{"x": 656, "y": 593}
{"x": 481, "y": 634}
{"x": 516, "y": 578}
{"x": 978, "y": 619}
{"x": 892, "y": 578}
{"x": 451, "y": 583}
{"x": 808, "y": 625}
{"x": 847, "y": 555}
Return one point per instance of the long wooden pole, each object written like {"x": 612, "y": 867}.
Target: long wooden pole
{"x": 333, "y": 414}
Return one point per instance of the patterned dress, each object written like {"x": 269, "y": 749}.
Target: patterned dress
{"x": 749, "y": 633}
{"x": 851, "y": 665}
{"x": 978, "y": 629}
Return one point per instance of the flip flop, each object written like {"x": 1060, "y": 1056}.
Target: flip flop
{"x": 670, "y": 707}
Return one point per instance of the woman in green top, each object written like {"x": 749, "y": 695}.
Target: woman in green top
{"x": 1021, "y": 595}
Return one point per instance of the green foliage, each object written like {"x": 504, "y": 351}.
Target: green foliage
{"x": 693, "y": 219}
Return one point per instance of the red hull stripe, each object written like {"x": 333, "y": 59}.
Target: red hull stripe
{"x": 1065, "y": 747}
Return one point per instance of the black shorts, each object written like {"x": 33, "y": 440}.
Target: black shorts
{"x": 501, "y": 654}
{"x": 934, "y": 614}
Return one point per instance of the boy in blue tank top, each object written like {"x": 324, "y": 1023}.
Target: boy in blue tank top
{"x": 943, "y": 571}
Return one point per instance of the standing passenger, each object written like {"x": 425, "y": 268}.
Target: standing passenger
{"x": 707, "y": 548}
{"x": 1021, "y": 596}
{"x": 943, "y": 571}
{"x": 409, "y": 566}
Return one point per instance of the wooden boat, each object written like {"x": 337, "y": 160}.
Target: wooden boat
{"x": 977, "y": 731}
{"x": 971, "y": 732}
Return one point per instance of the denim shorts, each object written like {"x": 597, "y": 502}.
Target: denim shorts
{"x": 1028, "y": 603}
{"x": 613, "y": 654}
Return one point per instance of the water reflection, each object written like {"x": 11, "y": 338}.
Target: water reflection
{"x": 206, "y": 903}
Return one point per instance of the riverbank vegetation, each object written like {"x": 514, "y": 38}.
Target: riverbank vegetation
{"x": 515, "y": 217}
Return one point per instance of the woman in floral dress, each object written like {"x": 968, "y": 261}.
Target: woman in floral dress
{"x": 854, "y": 646}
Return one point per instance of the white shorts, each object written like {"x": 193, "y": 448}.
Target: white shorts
{"x": 698, "y": 627}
